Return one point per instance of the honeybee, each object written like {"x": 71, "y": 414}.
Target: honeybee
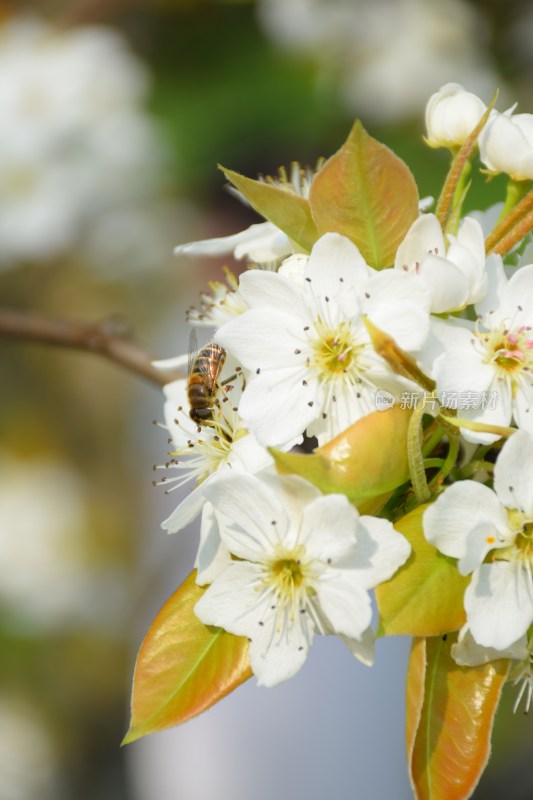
{"x": 205, "y": 366}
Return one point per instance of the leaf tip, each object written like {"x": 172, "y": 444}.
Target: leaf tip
{"x": 131, "y": 736}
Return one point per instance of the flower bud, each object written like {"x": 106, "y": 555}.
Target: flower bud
{"x": 506, "y": 145}
{"x": 452, "y": 113}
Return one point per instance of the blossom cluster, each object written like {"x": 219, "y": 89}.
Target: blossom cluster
{"x": 310, "y": 340}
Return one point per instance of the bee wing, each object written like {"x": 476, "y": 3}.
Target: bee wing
{"x": 193, "y": 350}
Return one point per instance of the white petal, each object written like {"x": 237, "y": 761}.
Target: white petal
{"x": 264, "y": 338}
{"x": 499, "y": 604}
{"x": 295, "y": 495}
{"x": 247, "y": 455}
{"x": 517, "y": 299}
{"x": 335, "y": 261}
{"x": 277, "y": 407}
{"x": 500, "y": 414}
{"x": 328, "y": 528}
{"x": 266, "y": 289}
{"x": 424, "y": 236}
{"x": 523, "y": 406}
{"x": 344, "y": 601}
{"x": 213, "y": 556}
{"x": 461, "y": 521}
{"x": 447, "y": 284}
{"x": 468, "y": 653}
{"x": 381, "y": 550}
{"x": 364, "y": 648}
{"x": 406, "y": 322}
{"x": 185, "y": 512}
{"x": 495, "y": 285}
{"x": 249, "y": 513}
{"x": 461, "y": 368}
{"x": 224, "y": 245}
{"x": 276, "y": 656}
{"x": 513, "y": 473}
{"x": 231, "y": 602}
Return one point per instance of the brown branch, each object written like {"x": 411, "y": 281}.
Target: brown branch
{"x": 104, "y": 338}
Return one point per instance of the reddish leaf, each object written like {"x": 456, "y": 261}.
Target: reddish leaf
{"x": 352, "y": 464}
{"x": 425, "y": 596}
{"x": 183, "y": 667}
{"x": 368, "y": 194}
{"x": 450, "y": 714}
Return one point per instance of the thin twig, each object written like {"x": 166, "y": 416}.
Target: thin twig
{"x": 105, "y": 338}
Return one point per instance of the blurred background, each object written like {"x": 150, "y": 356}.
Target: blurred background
{"x": 113, "y": 116}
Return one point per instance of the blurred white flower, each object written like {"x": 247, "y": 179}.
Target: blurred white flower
{"x": 452, "y": 113}
{"x": 386, "y": 56}
{"x": 46, "y": 580}
{"x": 29, "y": 766}
{"x": 75, "y": 141}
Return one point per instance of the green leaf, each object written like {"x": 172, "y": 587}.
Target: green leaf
{"x": 425, "y": 596}
{"x": 450, "y": 714}
{"x": 287, "y": 210}
{"x": 368, "y": 194}
{"x": 354, "y": 463}
{"x": 183, "y": 667}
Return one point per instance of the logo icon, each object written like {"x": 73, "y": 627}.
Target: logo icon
{"x": 384, "y": 400}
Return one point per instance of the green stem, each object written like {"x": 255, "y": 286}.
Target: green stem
{"x": 415, "y": 456}
{"x": 516, "y": 190}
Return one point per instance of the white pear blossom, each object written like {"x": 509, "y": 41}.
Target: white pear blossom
{"x": 491, "y": 534}
{"x": 306, "y": 563}
{"x": 455, "y": 273}
{"x": 310, "y": 361}
{"x": 452, "y": 113}
{"x": 495, "y": 358}
{"x": 222, "y": 304}
{"x": 263, "y": 243}
{"x": 506, "y": 144}
{"x": 201, "y": 452}
{"x": 468, "y": 653}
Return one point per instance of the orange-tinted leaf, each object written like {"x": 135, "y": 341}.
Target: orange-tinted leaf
{"x": 287, "y": 210}
{"x": 356, "y": 463}
{"x": 368, "y": 194}
{"x": 183, "y": 666}
{"x": 425, "y": 596}
{"x": 451, "y": 743}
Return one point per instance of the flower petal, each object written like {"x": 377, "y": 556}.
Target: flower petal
{"x": 265, "y": 338}
{"x": 381, "y": 550}
{"x": 344, "y": 602}
{"x": 225, "y": 245}
{"x": 424, "y": 236}
{"x": 265, "y": 289}
{"x": 231, "y": 602}
{"x": 499, "y": 603}
{"x": 186, "y": 511}
{"x": 364, "y": 648}
{"x": 462, "y": 520}
{"x": 468, "y": 653}
{"x": 213, "y": 556}
{"x": 513, "y": 473}
{"x": 328, "y": 528}
{"x": 516, "y": 305}
{"x": 250, "y": 514}
{"x": 277, "y": 406}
